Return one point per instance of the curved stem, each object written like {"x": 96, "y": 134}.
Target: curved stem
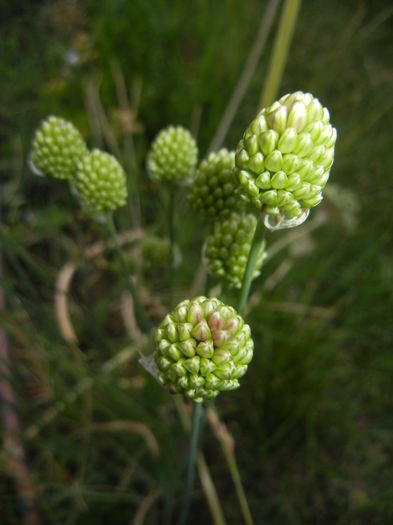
{"x": 195, "y": 431}
{"x": 140, "y": 313}
{"x": 257, "y": 241}
{"x": 171, "y": 231}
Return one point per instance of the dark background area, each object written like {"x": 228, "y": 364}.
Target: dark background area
{"x": 312, "y": 421}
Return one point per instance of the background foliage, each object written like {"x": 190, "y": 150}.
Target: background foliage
{"x": 313, "y": 421}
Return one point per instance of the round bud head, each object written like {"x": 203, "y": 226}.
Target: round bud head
{"x": 173, "y": 155}
{"x": 100, "y": 182}
{"x": 214, "y": 191}
{"x": 284, "y": 159}
{"x": 57, "y": 148}
{"x": 226, "y": 249}
{"x": 202, "y": 348}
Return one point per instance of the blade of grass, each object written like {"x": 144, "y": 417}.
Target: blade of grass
{"x": 280, "y": 51}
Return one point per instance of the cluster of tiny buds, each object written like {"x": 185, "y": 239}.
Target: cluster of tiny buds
{"x": 202, "y": 348}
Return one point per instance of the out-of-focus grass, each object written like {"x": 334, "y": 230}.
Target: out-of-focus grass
{"x": 313, "y": 419}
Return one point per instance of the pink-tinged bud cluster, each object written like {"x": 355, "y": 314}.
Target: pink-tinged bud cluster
{"x": 202, "y": 348}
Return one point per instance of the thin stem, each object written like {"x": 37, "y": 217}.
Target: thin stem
{"x": 196, "y": 418}
{"x": 280, "y": 52}
{"x": 171, "y": 231}
{"x": 253, "y": 256}
{"x": 204, "y": 474}
{"x": 140, "y": 313}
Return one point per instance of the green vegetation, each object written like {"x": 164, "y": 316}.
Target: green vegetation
{"x": 312, "y": 422}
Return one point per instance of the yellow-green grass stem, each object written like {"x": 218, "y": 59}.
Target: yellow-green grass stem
{"x": 280, "y": 51}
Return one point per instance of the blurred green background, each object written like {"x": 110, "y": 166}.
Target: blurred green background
{"x": 312, "y": 422}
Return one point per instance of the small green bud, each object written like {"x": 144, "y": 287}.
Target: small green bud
{"x": 222, "y": 358}
{"x": 57, "y": 148}
{"x": 173, "y": 155}
{"x": 100, "y": 182}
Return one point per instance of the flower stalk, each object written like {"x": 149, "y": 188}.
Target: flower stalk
{"x": 195, "y": 433}
{"x": 252, "y": 261}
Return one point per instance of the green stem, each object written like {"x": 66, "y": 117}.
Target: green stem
{"x": 195, "y": 431}
{"x": 140, "y": 313}
{"x": 171, "y": 231}
{"x": 253, "y": 256}
{"x": 280, "y": 52}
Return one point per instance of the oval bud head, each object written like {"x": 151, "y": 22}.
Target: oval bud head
{"x": 173, "y": 155}
{"x": 100, "y": 182}
{"x": 297, "y": 139}
{"x": 57, "y": 148}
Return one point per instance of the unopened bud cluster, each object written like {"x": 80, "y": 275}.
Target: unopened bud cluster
{"x": 214, "y": 192}
{"x": 173, "y": 155}
{"x": 227, "y": 248}
{"x": 284, "y": 159}
{"x": 57, "y": 148}
{"x": 202, "y": 348}
{"x": 101, "y": 182}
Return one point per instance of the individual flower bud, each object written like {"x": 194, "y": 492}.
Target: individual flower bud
{"x": 100, "y": 182}
{"x": 202, "y": 348}
{"x": 173, "y": 155}
{"x": 57, "y": 148}
{"x": 284, "y": 158}
{"x": 226, "y": 249}
{"x": 213, "y": 191}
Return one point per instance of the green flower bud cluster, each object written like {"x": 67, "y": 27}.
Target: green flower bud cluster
{"x": 227, "y": 247}
{"x": 57, "y": 148}
{"x": 202, "y": 348}
{"x": 173, "y": 155}
{"x": 100, "y": 181}
{"x": 214, "y": 192}
{"x": 284, "y": 159}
